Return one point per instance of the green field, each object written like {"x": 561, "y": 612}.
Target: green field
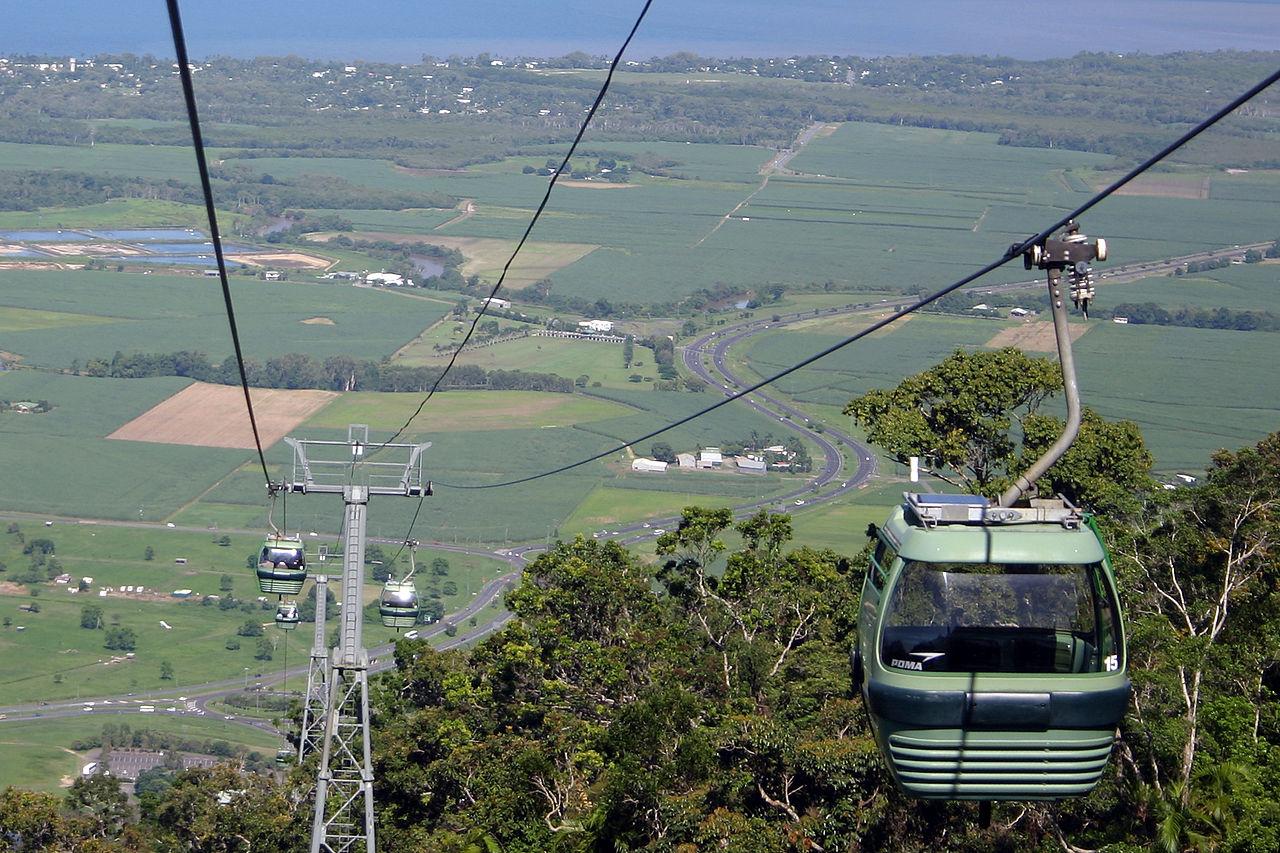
{"x": 1242, "y": 287}
{"x": 118, "y": 213}
{"x": 160, "y": 162}
{"x": 608, "y": 507}
{"x": 602, "y": 362}
{"x": 37, "y": 753}
{"x": 166, "y": 313}
{"x": 54, "y": 644}
{"x": 1191, "y": 390}
{"x": 66, "y": 466}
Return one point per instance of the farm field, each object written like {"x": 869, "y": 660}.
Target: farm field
{"x": 601, "y": 362}
{"x": 1243, "y": 287}
{"x": 117, "y": 213}
{"x": 465, "y": 410}
{"x": 160, "y": 162}
{"x": 204, "y": 415}
{"x": 167, "y": 313}
{"x": 606, "y": 507}
{"x": 37, "y": 753}
{"x": 61, "y": 462}
{"x": 1191, "y": 390}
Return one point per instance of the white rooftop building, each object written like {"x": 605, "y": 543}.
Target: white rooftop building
{"x": 595, "y": 325}
{"x": 686, "y": 460}
{"x": 710, "y": 457}
{"x": 652, "y": 465}
{"x": 388, "y": 279}
{"x": 746, "y": 463}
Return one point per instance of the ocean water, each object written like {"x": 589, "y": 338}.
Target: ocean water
{"x": 405, "y": 30}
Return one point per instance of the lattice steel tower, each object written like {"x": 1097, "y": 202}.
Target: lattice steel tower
{"x": 316, "y": 699}
{"x": 343, "y": 821}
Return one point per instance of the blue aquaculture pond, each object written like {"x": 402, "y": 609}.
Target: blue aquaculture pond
{"x": 186, "y": 235}
{"x": 43, "y": 236}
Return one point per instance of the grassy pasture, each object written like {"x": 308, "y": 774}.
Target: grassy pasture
{"x": 36, "y": 753}
{"x": 486, "y": 256}
{"x": 563, "y": 357}
{"x": 606, "y": 507}
{"x": 31, "y": 319}
{"x": 842, "y": 525}
{"x": 53, "y": 641}
{"x": 164, "y": 313}
{"x": 416, "y": 221}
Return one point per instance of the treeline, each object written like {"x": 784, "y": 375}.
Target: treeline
{"x": 36, "y": 189}
{"x": 336, "y": 373}
{"x": 1026, "y": 102}
{"x": 233, "y": 188}
{"x": 1153, "y": 314}
{"x": 123, "y": 736}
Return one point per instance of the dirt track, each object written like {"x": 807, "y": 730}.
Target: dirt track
{"x": 214, "y": 416}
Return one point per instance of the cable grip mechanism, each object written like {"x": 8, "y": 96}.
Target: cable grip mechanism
{"x": 1071, "y": 252}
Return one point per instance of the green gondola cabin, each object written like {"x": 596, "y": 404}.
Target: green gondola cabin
{"x": 990, "y": 652}
{"x": 398, "y": 605}
{"x": 287, "y": 615}
{"x": 282, "y": 565}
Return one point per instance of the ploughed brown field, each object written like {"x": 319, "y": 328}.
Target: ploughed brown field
{"x": 1033, "y": 337}
{"x": 214, "y": 416}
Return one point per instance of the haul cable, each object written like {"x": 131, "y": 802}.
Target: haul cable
{"x": 1014, "y": 251}
{"x": 197, "y": 142}
{"x": 502, "y": 277}
{"x": 555, "y": 176}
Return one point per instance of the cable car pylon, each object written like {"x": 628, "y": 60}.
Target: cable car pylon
{"x": 343, "y": 819}
{"x": 315, "y": 701}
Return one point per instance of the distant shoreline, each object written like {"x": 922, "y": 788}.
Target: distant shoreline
{"x": 725, "y": 28}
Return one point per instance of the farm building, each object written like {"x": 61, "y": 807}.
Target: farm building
{"x": 603, "y": 326}
{"x": 387, "y": 279}
{"x": 746, "y": 463}
{"x": 710, "y": 457}
{"x": 648, "y": 465}
{"x": 686, "y": 460}
{"x": 495, "y": 302}
{"x": 271, "y": 275}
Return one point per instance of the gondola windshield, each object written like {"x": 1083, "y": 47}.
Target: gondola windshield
{"x": 1000, "y": 618}
{"x": 290, "y": 557}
